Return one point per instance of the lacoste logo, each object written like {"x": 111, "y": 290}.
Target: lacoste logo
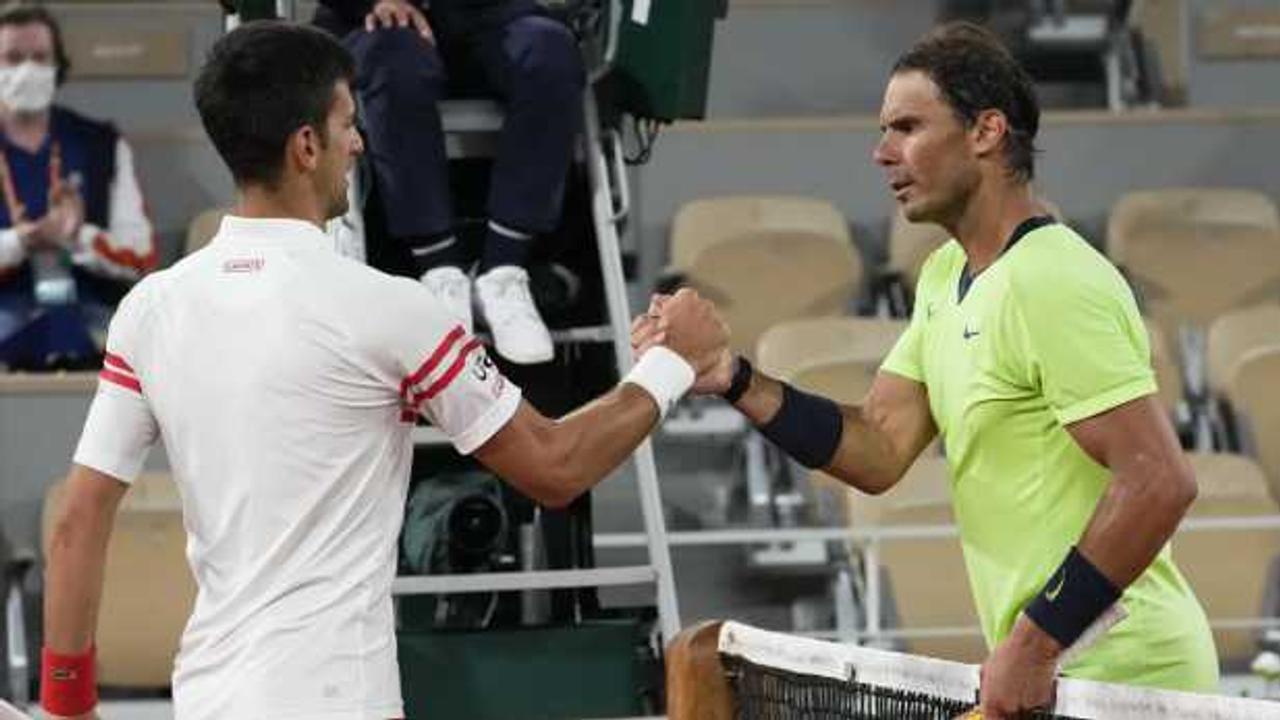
{"x": 968, "y": 334}
{"x": 1052, "y": 593}
{"x": 243, "y": 265}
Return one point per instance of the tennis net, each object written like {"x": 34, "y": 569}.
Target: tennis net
{"x": 762, "y": 675}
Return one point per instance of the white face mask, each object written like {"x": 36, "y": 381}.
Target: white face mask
{"x": 28, "y": 87}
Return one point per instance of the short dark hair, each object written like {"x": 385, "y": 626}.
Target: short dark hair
{"x": 21, "y": 14}
{"x": 260, "y": 84}
{"x": 975, "y": 72}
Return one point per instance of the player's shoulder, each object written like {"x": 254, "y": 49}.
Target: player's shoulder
{"x": 1055, "y": 261}
{"x": 380, "y": 300}
{"x": 148, "y": 293}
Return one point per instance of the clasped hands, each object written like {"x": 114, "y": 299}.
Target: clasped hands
{"x": 688, "y": 324}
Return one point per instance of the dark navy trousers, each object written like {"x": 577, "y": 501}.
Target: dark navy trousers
{"x": 530, "y": 62}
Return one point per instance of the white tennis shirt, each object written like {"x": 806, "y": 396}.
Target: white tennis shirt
{"x": 283, "y": 380}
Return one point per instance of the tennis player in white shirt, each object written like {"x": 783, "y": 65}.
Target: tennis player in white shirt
{"x": 284, "y": 381}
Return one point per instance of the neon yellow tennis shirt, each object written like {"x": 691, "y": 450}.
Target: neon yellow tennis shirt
{"x": 1049, "y": 334}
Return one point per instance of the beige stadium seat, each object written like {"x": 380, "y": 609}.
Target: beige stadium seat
{"x": 1188, "y": 275}
{"x": 1234, "y": 335}
{"x": 1180, "y": 207}
{"x": 928, "y": 576}
{"x": 808, "y": 346}
{"x": 911, "y": 243}
{"x": 1254, "y": 393}
{"x": 202, "y": 229}
{"x": 148, "y": 589}
{"x": 1228, "y": 568}
{"x": 765, "y": 260}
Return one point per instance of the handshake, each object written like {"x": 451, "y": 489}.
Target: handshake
{"x": 690, "y": 326}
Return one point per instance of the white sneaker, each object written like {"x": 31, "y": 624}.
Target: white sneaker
{"x": 519, "y": 334}
{"x": 452, "y": 288}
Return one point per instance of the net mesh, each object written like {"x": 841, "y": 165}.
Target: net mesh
{"x": 774, "y": 676}
{"x": 765, "y": 693}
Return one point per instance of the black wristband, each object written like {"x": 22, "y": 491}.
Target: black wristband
{"x": 1076, "y": 595}
{"x": 806, "y": 427}
{"x": 741, "y": 381}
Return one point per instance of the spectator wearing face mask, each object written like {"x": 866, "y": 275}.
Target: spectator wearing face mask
{"x": 73, "y": 232}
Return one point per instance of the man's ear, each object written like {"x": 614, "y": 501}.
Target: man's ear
{"x": 304, "y": 147}
{"x": 988, "y": 132}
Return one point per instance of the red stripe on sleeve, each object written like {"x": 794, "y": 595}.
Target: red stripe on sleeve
{"x": 117, "y": 362}
{"x": 430, "y": 364}
{"x": 121, "y": 380}
{"x": 450, "y": 374}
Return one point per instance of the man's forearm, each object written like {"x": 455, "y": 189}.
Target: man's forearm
{"x": 73, "y": 584}
{"x": 77, "y": 557}
{"x": 864, "y": 457}
{"x": 597, "y": 437}
{"x": 1135, "y": 518}
{"x": 1133, "y": 521}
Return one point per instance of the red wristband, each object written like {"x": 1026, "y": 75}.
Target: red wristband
{"x": 68, "y": 683}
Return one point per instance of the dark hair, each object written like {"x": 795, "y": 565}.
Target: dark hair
{"x": 260, "y": 84}
{"x": 20, "y": 14}
{"x": 975, "y": 72}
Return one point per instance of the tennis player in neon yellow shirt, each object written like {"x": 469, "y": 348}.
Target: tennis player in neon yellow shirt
{"x": 1027, "y": 354}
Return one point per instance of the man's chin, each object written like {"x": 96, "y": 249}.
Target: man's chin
{"x": 915, "y": 212}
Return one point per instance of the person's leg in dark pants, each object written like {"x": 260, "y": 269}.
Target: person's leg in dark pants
{"x": 535, "y": 65}
{"x": 400, "y": 79}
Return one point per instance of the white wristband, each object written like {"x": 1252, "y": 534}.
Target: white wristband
{"x": 663, "y": 374}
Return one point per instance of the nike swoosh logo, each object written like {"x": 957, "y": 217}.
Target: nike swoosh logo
{"x": 971, "y": 333}
{"x": 1052, "y": 593}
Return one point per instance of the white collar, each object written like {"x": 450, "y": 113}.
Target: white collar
{"x": 271, "y": 231}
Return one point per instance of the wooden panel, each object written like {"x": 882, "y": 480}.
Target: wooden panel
{"x": 1241, "y": 34}
{"x": 122, "y": 53}
{"x": 696, "y": 685}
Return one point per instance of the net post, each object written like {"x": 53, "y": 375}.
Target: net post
{"x": 696, "y": 685}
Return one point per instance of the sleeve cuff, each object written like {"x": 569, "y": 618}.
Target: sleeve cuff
{"x": 491, "y": 422}
{"x": 86, "y": 235}
{"x": 1102, "y": 402}
{"x": 902, "y": 370}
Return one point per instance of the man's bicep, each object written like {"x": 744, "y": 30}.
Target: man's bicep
{"x": 93, "y": 489}
{"x": 517, "y": 450}
{"x": 1134, "y": 431}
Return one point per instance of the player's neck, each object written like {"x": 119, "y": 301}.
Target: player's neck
{"x": 27, "y": 130}
{"x": 992, "y": 214}
{"x": 261, "y": 202}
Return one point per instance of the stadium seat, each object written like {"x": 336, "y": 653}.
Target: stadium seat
{"x": 147, "y": 590}
{"x": 1230, "y": 486}
{"x": 765, "y": 260}
{"x": 1236, "y": 333}
{"x": 1169, "y": 265}
{"x": 813, "y": 345}
{"x": 1254, "y": 393}
{"x": 202, "y": 229}
{"x": 1180, "y": 207}
{"x": 1231, "y": 338}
